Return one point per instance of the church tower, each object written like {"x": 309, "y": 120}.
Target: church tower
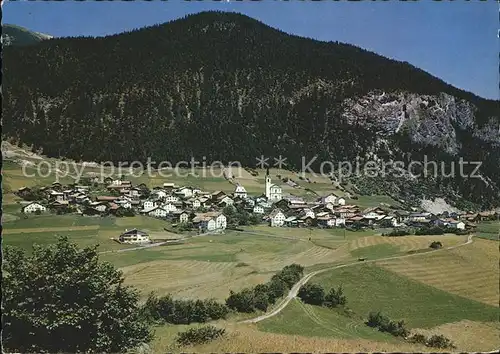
{"x": 268, "y": 185}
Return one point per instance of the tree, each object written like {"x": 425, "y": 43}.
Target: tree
{"x": 335, "y": 298}
{"x": 62, "y": 299}
{"x": 276, "y": 289}
{"x": 312, "y": 294}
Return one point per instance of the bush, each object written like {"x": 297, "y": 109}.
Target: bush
{"x": 398, "y": 232}
{"x": 429, "y": 231}
{"x": 439, "y": 341}
{"x": 199, "y": 335}
{"x": 418, "y": 338}
{"x": 276, "y": 289}
{"x": 312, "y": 294}
{"x": 62, "y": 292}
{"x": 384, "y": 324}
{"x": 242, "y": 301}
{"x": 436, "y": 245}
{"x": 335, "y": 298}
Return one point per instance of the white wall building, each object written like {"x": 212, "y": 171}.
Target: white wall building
{"x": 277, "y": 218}
{"x": 33, "y": 207}
{"x": 241, "y": 192}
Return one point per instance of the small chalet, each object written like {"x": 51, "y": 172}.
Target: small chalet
{"x": 134, "y": 236}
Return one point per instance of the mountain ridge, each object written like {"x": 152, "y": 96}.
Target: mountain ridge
{"x": 14, "y": 35}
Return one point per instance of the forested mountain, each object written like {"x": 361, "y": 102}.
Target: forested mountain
{"x": 13, "y": 35}
{"x": 225, "y": 86}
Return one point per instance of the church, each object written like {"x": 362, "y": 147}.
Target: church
{"x": 273, "y": 191}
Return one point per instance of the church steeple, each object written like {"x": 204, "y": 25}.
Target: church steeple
{"x": 268, "y": 184}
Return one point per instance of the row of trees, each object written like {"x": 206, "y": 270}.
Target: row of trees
{"x": 165, "y": 309}
{"x": 314, "y": 294}
{"x": 261, "y": 296}
{"x": 385, "y": 324}
{"x": 432, "y": 230}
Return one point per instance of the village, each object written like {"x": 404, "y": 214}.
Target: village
{"x": 192, "y": 209}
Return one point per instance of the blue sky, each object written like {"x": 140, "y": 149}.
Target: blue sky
{"x": 455, "y": 41}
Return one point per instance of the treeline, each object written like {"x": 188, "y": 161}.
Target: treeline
{"x": 168, "y": 310}
{"x": 430, "y": 230}
{"x": 262, "y": 296}
{"x": 314, "y": 294}
{"x": 398, "y": 329}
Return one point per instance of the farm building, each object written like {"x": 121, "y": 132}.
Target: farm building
{"x": 134, "y": 236}
{"x": 33, "y": 207}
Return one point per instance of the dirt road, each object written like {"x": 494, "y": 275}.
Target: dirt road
{"x": 295, "y": 289}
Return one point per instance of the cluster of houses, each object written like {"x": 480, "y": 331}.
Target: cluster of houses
{"x": 204, "y": 210}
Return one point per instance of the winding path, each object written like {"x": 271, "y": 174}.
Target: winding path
{"x": 295, "y": 289}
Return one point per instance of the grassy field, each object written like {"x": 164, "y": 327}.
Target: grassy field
{"x": 248, "y": 338}
{"x": 471, "y": 271}
{"x": 368, "y": 287}
{"x": 318, "y": 321}
{"x": 84, "y": 231}
{"x": 489, "y": 230}
{"x": 372, "y": 288}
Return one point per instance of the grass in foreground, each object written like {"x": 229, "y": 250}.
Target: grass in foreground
{"x": 371, "y": 288}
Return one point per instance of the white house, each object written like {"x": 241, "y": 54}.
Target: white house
{"x": 277, "y": 218}
{"x": 58, "y": 196}
{"x": 329, "y": 199}
{"x": 171, "y": 199}
{"x": 134, "y": 236}
{"x": 258, "y": 209}
{"x": 457, "y": 225}
{"x": 101, "y": 207}
{"x": 185, "y": 191}
{"x": 341, "y": 201}
{"x": 170, "y": 208}
{"x": 149, "y": 204}
{"x": 169, "y": 185}
{"x": 184, "y": 217}
{"x": 227, "y": 200}
{"x": 158, "y": 212}
{"x": 196, "y": 203}
{"x": 160, "y": 194}
{"x": 210, "y": 221}
{"x": 33, "y": 207}
{"x": 308, "y": 213}
{"x": 241, "y": 192}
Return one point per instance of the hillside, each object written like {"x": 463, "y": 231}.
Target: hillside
{"x": 225, "y": 86}
{"x": 13, "y": 35}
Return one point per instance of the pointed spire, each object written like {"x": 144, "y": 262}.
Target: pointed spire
{"x": 267, "y": 171}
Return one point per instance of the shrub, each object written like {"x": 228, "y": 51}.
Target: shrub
{"x": 398, "y": 232}
{"x": 436, "y": 245}
{"x": 335, "y": 298}
{"x": 312, "y": 294}
{"x": 276, "y": 289}
{"x": 439, "y": 341}
{"x": 199, "y": 335}
{"x": 418, "y": 338}
{"x": 242, "y": 301}
{"x": 384, "y": 324}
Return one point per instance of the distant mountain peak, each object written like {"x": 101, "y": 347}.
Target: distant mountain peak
{"x": 14, "y": 35}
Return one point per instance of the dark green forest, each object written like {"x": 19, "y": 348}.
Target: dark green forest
{"x": 220, "y": 85}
